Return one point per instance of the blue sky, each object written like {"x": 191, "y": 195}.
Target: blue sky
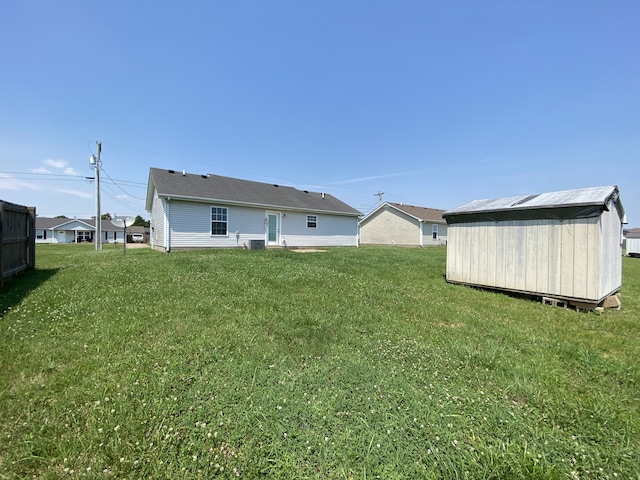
{"x": 433, "y": 103}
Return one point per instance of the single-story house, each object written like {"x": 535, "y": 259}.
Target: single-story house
{"x": 203, "y": 211}
{"x": 404, "y": 225}
{"x": 563, "y": 245}
{"x": 77, "y": 230}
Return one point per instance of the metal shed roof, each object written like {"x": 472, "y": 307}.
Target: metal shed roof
{"x": 580, "y": 203}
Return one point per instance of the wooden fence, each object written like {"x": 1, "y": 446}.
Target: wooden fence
{"x": 17, "y": 239}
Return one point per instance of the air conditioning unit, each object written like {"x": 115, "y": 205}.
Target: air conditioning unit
{"x": 256, "y": 244}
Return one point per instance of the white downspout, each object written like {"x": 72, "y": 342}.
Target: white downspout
{"x": 421, "y": 233}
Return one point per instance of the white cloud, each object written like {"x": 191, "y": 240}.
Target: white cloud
{"x": 7, "y": 182}
{"x": 375, "y": 177}
{"x": 77, "y": 193}
{"x": 59, "y": 164}
{"x": 55, "y": 163}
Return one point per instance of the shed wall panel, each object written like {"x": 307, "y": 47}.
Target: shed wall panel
{"x": 610, "y": 277}
{"x": 633, "y": 246}
{"x": 542, "y": 256}
{"x": 548, "y": 257}
{"x": 530, "y": 273}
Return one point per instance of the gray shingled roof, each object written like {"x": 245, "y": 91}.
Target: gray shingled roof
{"x": 47, "y": 223}
{"x": 215, "y": 188}
{"x": 579, "y": 203}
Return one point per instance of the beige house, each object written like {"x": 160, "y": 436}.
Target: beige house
{"x": 403, "y": 225}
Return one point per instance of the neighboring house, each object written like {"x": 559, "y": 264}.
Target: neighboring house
{"x": 564, "y": 245}
{"x": 632, "y": 242}
{"x": 76, "y": 230}
{"x": 203, "y": 211}
{"x": 404, "y": 225}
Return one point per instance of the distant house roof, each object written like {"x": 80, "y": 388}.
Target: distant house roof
{"x": 45, "y": 223}
{"x": 580, "y": 203}
{"x": 632, "y": 233}
{"x": 215, "y": 188}
{"x": 421, "y": 214}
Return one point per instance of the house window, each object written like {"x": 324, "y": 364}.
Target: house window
{"x": 312, "y": 221}
{"x": 84, "y": 236}
{"x": 434, "y": 231}
{"x": 41, "y": 234}
{"x": 218, "y": 220}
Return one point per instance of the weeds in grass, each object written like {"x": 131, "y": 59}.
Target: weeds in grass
{"x": 351, "y": 363}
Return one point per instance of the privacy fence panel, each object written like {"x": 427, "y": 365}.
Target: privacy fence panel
{"x": 17, "y": 239}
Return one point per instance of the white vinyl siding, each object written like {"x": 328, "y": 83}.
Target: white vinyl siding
{"x": 191, "y": 226}
{"x": 331, "y": 231}
{"x": 158, "y": 222}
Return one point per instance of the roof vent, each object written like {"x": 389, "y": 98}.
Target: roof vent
{"x": 275, "y": 185}
{"x": 204, "y": 176}
{"x": 306, "y": 191}
{"x": 322, "y": 194}
{"x": 184, "y": 172}
{"x": 172, "y": 171}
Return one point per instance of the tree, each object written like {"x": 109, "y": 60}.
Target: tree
{"x": 105, "y": 216}
{"x": 140, "y": 222}
{"x": 61, "y": 216}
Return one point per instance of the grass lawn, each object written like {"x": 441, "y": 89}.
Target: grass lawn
{"x": 344, "y": 364}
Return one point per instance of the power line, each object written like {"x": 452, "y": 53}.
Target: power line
{"x": 109, "y": 177}
{"x": 27, "y": 175}
{"x": 121, "y": 201}
{"x": 43, "y": 174}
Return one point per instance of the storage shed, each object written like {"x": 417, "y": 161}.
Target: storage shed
{"x": 564, "y": 245}
{"x": 633, "y": 243}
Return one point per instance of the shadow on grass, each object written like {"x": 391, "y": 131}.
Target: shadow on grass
{"x": 20, "y": 285}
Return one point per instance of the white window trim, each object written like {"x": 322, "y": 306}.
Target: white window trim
{"x": 226, "y": 234}
{"x": 312, "y": 221}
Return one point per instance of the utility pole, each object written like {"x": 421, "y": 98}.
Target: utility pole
{"x": 379, "y": 195}
{"x": 95, "y": 162}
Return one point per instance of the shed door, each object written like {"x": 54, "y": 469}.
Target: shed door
{"x": 273, "y": 229}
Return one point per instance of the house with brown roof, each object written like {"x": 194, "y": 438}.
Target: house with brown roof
{"x": 209, "y": 211}
{"x": 403, "y": 225}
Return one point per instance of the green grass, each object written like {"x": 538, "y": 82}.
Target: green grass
{"x": 350, "y": 363}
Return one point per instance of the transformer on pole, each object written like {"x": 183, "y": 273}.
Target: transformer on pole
{"x": 95, "y": 163}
